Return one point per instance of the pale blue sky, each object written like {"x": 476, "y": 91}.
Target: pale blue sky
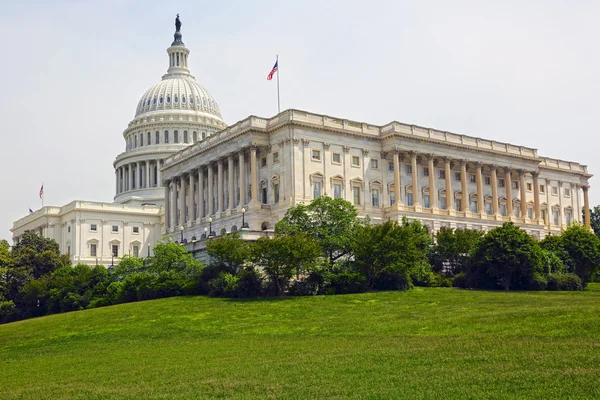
{"x": 74, "y": 71}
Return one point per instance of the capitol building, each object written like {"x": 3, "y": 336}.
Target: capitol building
{"x": 187, "y": 175}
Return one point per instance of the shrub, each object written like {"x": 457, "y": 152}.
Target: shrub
{"x": 7, "y": 309}
{"x": 225, "y": 285}
{"x": 249, "y": 282}
{"x": 390, "y": 280}
{"x": 460, "y": 281}
{"x": 537, "y": 282}
{"x": 304, "y": 287}
{"x": 569, "y": 282}
{"x": 552, "y": 262}
{"x": 346, "y": 282}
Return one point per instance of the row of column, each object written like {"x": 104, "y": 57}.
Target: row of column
{"x": 138, "y": 175}
{"x": 464, "y": 204}
{"x": 176, "y": 201}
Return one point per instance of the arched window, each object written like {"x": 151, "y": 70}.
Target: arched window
{"x": 149, "y": 138}
{"x": 183, "y": 99}
{"x": 135, "y": 142}
{"x": 154, "y": 101}
{"x": 157, "y": 137}
{"x": 166, "y": 136}
{"x": 141, "y": 139}
{"x": 161, "y": 100}
{"x": 168, "y": 99}
{"x": 148, "y": 101}
{"x": 176, "y": 137}
{"x": 195, "y": 136}
{"x": 191, "y": 99}
{"x": 203, "y": 135}
{"x": 185, "y": 137}
{"x": 176, "y": 99}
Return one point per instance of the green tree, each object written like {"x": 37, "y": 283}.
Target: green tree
{"x": 228, "y": 253}
{"x": 171, "y": 256}
{"x": 554, "y": 245}
{"x": 508, "y": 255}
{"x": 583, "y": 248}
{"x": 283, "y": 255}
{"x": 129, "y": 265}
{"x": 330, "y": 222}
{"x": 453, "y": 249}
{"x": 594, "y": 219}
{"x": 38, "y": 255}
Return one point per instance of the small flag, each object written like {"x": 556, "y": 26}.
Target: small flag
{"x": 270, "y": 76}
{"x": 42, "y": 191}
{"x": 30, "y": 211}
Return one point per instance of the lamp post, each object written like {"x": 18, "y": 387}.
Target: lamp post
{"x": 209, "y": 226}
{"x": 243, "y": 217}
{"x": 205, "y": 232}
{"x": 181, "y": 228}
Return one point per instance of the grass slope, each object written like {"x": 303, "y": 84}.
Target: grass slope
{"x": 420, "y": 344}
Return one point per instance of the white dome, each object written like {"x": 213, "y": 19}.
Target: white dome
{"x": 178, "y": 93}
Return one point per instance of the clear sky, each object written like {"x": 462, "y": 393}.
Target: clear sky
{"x": 73, "y": 71}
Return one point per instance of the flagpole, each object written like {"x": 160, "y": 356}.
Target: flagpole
{"x": 278, "y": 101}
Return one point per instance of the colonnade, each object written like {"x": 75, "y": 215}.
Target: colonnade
{"x": 138, "y": 175}
{"x": 209, "y": 190}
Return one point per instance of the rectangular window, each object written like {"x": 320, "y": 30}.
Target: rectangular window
{"x": 337, "y": 190}
{"x": 392, "y": 198}
{"x": 554, "y": 190}
{"x": 276, "y": 193}
{"x": 275, "y": 157}
{"x": 473, "y": 206}
{"x": 263, "y": 162}
{"x": 567, "y": 192}
{"x": 390, "y": 166}
{"x": 141, "y": 140}
{"x": 473, "y": 178}
{"x": 425, "y": 171}
{"x": 316, "y": 190}
{"x": 93, "y": 227}
{"x": 457, "y": 176}
{"x": 555, "y": 217}
{"x": 488, "y": 208}
{"x": 409, "y": 199}
{"x": 336, "y": 158}
{"x": 157, "y": 138}
{"x": 136, "y": 229}
{"x": 136, "y": 251}
{"x": 529, "y": 213}
{"x": 375, "y": 197}
{"x": 442, "y": 174}
{"x": 487, "y": 180}
{"x": 544, "y": 216}
{"x": 356, "y": 195}
{"x": 542, "y": 189}
{"x": 501, "y": 182}
{"x": 529, "y": 187}
{"x": 166, "y": 137}
{"x": 568, "y": 217}
{"x": 316, "y": 155}
{"x": 457, "y": 204}
{"x": 264, "y": 199}
{"x": 355, "y": 161}
{"x": 426, "y": 201}
{"x": 409, "y": 169}
{"x": 93, "y": 250}
{"x": 443, "y": 204}
{"x": 115, "y": 250}
{"x": 374, "y": 163}
{"x": 515, "y": 184}
{"x": 503, "y": 209}
{"x": 115, "y": 228}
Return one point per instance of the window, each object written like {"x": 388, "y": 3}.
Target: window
{"x": 168, "y": 99}
{"x": 568, "y": 217}
{"x": 185, "y": 136}
{"x": 166, "y": 136}
{"x": 545, "y": 216}
{"x": 425, "y": 171}
{"x": 183, "y": 99}
{"x": 335, "y": 158}
{"x": 69, "y": 250}
{"x": 337, "y": 190}
{"x": 442, "y": 174}
{"x": 409, "y": 169}
{"x": 157, "y": 137}
{"x": 487, "y": 180}
{"x": 355, "y": 161}
{"x": 263, "y": 193}
{"x": 115, "y": 228}
{"x": 141, "y": 140}
{"x": 567, "y": 192}
{"x": 136, "y": 229}
{"x": 93, "y": 227}
{"x": 316, "y": 190}
{"x": 176, "y": 136}
{"x": 516, "y": 210}
{"x": 276, "y": 193}
{"x": 409, "y": 199}
{"x": 135, "y": 142}
{"x": 195, "y": 136}
{"x": 443, "y": 204}
{"x": 316, "y": 155}
{"x": 93, "y": 250}
{"x": 136, "y": 251}
{"x": 542, "y": 189}
{"x": 275, "y": 157}
{"x": 501, "y": 182}
{"x": 356, "y": 195}
{"x": 529, "y": 187}
{"x": 263, "y": 162}
{"x": 473, "y": 206}
{"x": 374, "y": 163}
{"x": 161, "y": 100}
{"x": 149, "y": 138}
{"x": 457, "y": 176}
{"x": 503, "y": 209}
{"x": 203, "y": 135}
{"x": 69, "y": 229}
{"x": 176, "y": 99}
{"x": 392, "y": 198}
{"x": 457, "y": 204}
{"x": 375, "y": 197}
{"x": 426, "y": 201}
{"x": 488, "y": 208}
{"x": 529, "y": 212}
{"x": 390, "y": 166}
{"x": 115, "y": 250}
{"x": 554, "y": 191}
{"x": 555, "y": 216}
{"x": 473, "y": 178}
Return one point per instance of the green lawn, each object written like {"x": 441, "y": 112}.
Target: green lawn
{"x": 422, "y": 344}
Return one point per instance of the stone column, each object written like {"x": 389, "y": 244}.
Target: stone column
{"x": 181, "y": 201}
{"x": 479, "y": 181}
{"x": 561, "y": 212}
{"x": 536, "y": 197}
{"x": 210, "y": 197}
{"x": 523, "y": 193}
{"x": 415, "y": 179}
{"x": 449, "y": 194}
{"x": 242, "y": 179}
{"x": 147, "y": 178}
{"x": 200, "y": 194}
{"x": 220, "y": 185}
{"x": 508, "y": 185}
{"x": 254, "y": 175}
{"x": 230, "y": 182}
{"x": 432, "y": 190}
{"x": 397, "y": 183}
{"x": 135, "y": 181}
{"x": 173, "y": 204}
{"x": 464, "y": 202}
{"x": 167, "y": 206}
{"x": 117, "y": 181}
{"x": 158, "y": 173}
{"x": 191, "y": 200}
{"x": 586, "y": 207}
{"x": 494, "y": 182}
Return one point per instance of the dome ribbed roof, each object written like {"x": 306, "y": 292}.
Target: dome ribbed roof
{"x": 178, "y": 93}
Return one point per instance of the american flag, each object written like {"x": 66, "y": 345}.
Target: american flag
{"x": 30, "y": 211}
{"x": 270, "y": 76}
{"x": 42, "y": 191}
